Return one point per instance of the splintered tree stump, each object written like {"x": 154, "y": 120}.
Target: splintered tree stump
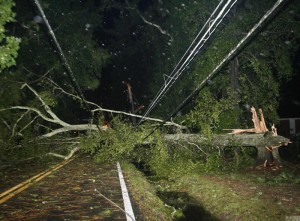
{"x": 267, "y": 148}
{"x": 263, "y": 156}
{"x": 267, "y": 153}
{"x": 258, "y": 122}
{"x": 268, "y": 157}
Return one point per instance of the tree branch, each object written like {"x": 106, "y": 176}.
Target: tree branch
{"x": 148, "y": 22}
{"x": 156, "y": 26}
{"x": 99, "y": 108}
{"x": 6, "y": 124}
{"x": 46, "y": 107}
{"x": 74, "y": 150}
{"x": 34, "y": 110}
{"x": 65, "y": 126}
{"x": 29, "y": 123}
{"x": 78, "y": 127}
{"x": 15, "y": 125}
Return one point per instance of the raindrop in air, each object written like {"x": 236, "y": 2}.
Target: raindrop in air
{"x": 87, "y": 26}
{"x": 38, "y": 19}
{"x": 247, "y": 106}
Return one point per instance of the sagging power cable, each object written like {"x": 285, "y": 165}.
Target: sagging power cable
{"x": 64, "y": 60}
{"x": 233, "y": 53}
{"x": 167, "y": 85}
{"x": 212, "y": 23}
{"x": 61, "y": 54}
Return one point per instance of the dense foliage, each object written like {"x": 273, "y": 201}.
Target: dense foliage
{"x": 109, "y": 42}
{"x": 256, "y": 76}
{"x": 149, "y": 151}
{"x": 8, "y": 45}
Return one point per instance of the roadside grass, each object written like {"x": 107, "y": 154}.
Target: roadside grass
{"x": 229, "y": 204}
{"x": 144, "y": 195}
{"x": 240, "y": 195}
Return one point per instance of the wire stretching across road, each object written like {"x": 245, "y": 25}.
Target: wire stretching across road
{"x": 65, "y": 61}
{"x": 61, "y": 54}
{"x": 212, "y": 23}
{"x": 237, "y": 49}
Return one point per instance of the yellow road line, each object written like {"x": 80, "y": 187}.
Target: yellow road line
{"x": 24, "y": 185}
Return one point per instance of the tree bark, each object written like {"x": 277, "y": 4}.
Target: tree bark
{"x": 267, "y": 146}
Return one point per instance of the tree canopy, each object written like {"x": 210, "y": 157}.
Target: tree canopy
{"x": 109, "y": 43}
{"x": 9, "y": 45}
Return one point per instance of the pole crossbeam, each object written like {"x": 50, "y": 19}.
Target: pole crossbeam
{"x": 234, "y": 52}
{"x": 209, "y": 27}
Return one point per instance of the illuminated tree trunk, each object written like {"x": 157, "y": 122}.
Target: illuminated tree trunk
{"x": 267, "y": 146}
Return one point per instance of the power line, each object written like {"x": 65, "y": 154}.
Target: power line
{"x": 189, "y": 55}
{"x": 234, "y": 52}
{"x": 194, "y": 41}
{"x": 64, "y": 60}
{"x": 61, "y": 54}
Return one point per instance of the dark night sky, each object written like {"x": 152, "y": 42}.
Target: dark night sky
{"x": 289, "y": 106}
{"x": 290, "y": 99}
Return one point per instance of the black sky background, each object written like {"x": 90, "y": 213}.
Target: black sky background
{"x": 289, "y": 106}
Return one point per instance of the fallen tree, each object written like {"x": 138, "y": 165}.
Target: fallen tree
{"x": 267, "y": 145}
{"x": 266, "y": 142}
{"x": 54, "y": 125}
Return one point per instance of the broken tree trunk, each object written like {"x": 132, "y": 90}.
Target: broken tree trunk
{"x": 267, "y": 149}
{"x": 258, "y": 122}
{"x": 262, "y": 142}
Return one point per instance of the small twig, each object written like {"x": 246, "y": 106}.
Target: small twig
{"x": 148, "y": 22}
{"x": 67, "y": 142}
{"x": 27, "y": 125}
{"x": 19, "y": 119}
{"x": 174, "y": 210}
{"x": 65, "y": 157}
{"x": 6, "y": 124}
{"x": 198, "y": 147}
{"x": 40, "y": 78}
{"x": 113, "y": 203}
